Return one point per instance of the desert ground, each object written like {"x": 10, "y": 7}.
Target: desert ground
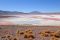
{"x": 30, "y": 27}
{"x": 12, "y": 29}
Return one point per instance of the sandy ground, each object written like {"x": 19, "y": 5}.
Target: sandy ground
{"x": 36, "y": 29}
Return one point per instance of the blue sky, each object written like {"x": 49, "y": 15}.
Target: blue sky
{"x": 30, "y": 5}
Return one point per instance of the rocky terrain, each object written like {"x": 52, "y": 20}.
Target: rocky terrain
{"x": 14, "y": 30}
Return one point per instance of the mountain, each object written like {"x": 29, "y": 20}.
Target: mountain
{"x": 10, "y": 12}
{"x": 15, "y": 12}
{"x": 35, "y": 12}
{"x": 19, "y": 13}
{"x": 41, "y": 13}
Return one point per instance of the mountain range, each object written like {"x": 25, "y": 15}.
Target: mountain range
{"x": 17, "y": 13}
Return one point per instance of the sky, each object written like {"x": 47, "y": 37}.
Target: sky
{"x": 30, "y": 5}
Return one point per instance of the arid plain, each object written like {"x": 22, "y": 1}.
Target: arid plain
{"x": 37, "y": 27}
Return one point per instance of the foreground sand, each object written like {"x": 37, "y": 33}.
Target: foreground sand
{"x": 11, "y": 29}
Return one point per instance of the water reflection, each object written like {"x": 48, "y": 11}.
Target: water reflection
{"x": 26, "y": 20}
{"x": 22, "y": 20}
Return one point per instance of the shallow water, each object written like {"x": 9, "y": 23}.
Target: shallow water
{"x": 31, "y": 20}
{"x": 22, "y": 20}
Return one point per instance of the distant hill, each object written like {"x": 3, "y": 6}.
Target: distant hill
{"x": 10, "y": 12}
{"x": 35, "y": 12}
{"x": 18, "y": 13}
